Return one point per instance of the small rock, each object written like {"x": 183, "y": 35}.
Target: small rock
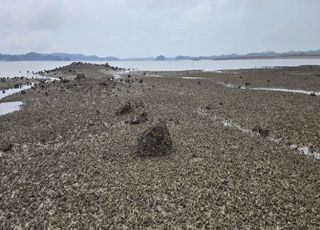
{"x": 247, "y": 83}
{"x": 155, "y": 141}
{"x": 91, "y": 123}
{"x": 313, "y": 94}
{"x": 143, "y": 117}
{"x": 140, "y": 81}
{"x": 262, "y": 132}
{"x": 23, "y": 92}
{"x": 125, "y": 109}
{"x": 65, "y": 81}
{"x": 80, "y": 76}
{"x": 5, "y": 146}
{"x": 103, "y": 84}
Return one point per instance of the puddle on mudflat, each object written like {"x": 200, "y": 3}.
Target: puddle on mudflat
{"x": 9, "y": 107}
{"x": 9, "y": 92}
{"x": 283, "y": 90}
{"x": 193, "y": 78}
{"x": 305, "y": 150}
{"x": 288, "y": 90}
{"x": 230, "y": 124}
{"x": 121, "y": 73}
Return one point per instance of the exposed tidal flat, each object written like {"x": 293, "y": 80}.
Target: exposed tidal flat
{"x": 240, "y": 158}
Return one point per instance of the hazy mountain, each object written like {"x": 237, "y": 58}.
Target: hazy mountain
{"x": 81, "y": 57}
{"x": 32, "y": 56}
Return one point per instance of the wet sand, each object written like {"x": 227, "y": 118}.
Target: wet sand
{"x": 73, "y": 161}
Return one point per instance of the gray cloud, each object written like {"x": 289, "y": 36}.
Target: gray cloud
{"x": 152, "y": 27}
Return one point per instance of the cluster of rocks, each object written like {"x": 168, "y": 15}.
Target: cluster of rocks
{"x": 156, "y": 140}
{"x": 135, "y": 110}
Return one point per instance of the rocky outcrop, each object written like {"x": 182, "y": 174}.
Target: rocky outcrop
{"x": 155, "y": 141}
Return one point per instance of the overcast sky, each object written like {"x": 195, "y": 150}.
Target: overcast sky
{"x": 136, "y": 28}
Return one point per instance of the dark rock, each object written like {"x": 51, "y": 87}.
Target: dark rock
{"x": 5, "y": 146}
{"x": 262, "y": 132}
{"x": 247, "y": 83}
{"x": 3, "y": 91}
{"x": 155, "y": 141}
{"x": 143, "y": 117}
{"x": 80, "y": 76}
{"x": 16, "y": 86}
{"x": 103, "y": 84}
{"x": 208, "y": 107}
{"x": 140, "y": 81}
{"x": 23, "y": 92}
{"x": 65, "y": 81}
{"x": 313, "y": 94}
{"x": 125, "y": 109}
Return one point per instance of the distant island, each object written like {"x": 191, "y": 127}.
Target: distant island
{"x": 33, "y": 56}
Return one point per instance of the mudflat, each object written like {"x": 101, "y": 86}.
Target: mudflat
{"x": 241, "y": 157}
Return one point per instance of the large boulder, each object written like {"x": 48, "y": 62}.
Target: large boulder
{"x": 155, "y": 141}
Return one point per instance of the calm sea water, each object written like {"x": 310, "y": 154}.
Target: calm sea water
{"x": 11, "y": 69}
